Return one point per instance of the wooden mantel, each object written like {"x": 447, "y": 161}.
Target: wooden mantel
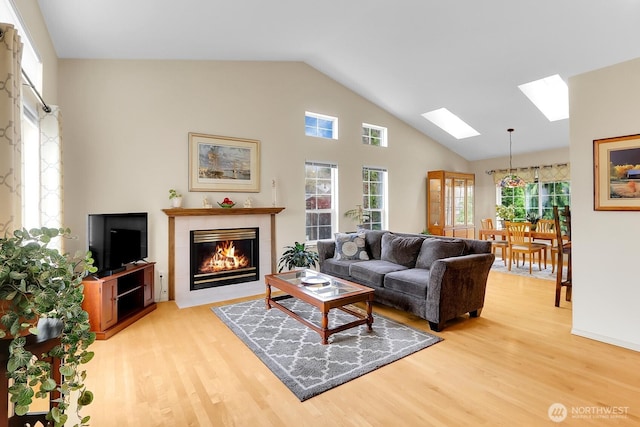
{"x": 220, "y": 211}
{"x": 183, "y": 212}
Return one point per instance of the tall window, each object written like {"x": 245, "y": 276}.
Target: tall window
{"x": 374, "y": 135}
{"x": 321, "y": 187}
{"x": 374, "y": 197}
{"x": 30, "y": 167}
{"x": 536, "y": 198}
{"x": 320, "y": 125}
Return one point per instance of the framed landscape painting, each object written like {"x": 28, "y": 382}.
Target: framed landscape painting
{"x": 222, "y": 163}
{"x": 617, "y": 173}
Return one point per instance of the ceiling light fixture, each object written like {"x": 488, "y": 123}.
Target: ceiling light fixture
{"x": 511, "y": 180}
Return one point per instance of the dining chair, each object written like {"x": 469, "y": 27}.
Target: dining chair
{"x": 503, "y": 245}
{"x": 547, "y": 226}
{"x": 520, "y": 242}
{"x": 562, "y": 224}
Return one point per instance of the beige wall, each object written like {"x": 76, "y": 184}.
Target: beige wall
{"x": 126, "y": 126}
{"x": 604, "y": 104}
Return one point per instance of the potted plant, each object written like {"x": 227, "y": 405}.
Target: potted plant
{"x": 533, "y": 218}
{"x": 505, "y": 213}
{"x": 176, "y": 198}
{"x": 358, "y": 215}
{"x": 297, "y": 256}
{"x": 37, "y": 282}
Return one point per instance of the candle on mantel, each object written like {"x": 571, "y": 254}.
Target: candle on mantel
{"x": 273, "y": 192}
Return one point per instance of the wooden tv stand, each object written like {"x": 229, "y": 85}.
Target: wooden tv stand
{"x": 114, "y": 302}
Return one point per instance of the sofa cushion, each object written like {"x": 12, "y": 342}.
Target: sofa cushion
{"x": 435, "y": 249}
{"x": 350, "y": 246}
{"x": 374, "y": 242}
{"x": 412, "y": 281}
{"x": 371, "y": 273}
{"x": 400, "y": 250}
{"x": 338, "y": 268}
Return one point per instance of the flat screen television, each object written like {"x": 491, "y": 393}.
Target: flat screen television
{"x": 117, "y": 239}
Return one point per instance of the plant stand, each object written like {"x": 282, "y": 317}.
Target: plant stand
{"x": 37, "y": 345}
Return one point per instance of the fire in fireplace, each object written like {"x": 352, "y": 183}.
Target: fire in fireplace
{"x": 223, "y": 257}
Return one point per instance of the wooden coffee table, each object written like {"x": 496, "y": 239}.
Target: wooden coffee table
{"x": 323, "y": 292}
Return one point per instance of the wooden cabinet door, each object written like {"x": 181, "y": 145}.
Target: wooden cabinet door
{"x": 148, "y": 285}
{"x": 109, "y": 309}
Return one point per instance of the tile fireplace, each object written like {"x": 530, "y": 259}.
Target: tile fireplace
{"x": 183, "y": 221}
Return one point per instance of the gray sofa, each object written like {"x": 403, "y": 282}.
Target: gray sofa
{"x": 434, "y": 277}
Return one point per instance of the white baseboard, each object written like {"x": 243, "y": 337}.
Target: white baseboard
{"x": 606, "y": 340}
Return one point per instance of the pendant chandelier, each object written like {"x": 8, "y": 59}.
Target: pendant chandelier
{"x": 511, "y": 180}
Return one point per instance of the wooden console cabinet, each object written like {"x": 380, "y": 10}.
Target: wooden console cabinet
{"x": 114, "y": 302}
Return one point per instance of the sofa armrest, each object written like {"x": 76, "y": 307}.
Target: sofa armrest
{"x": 326, "y": 249}
{"x": 457, "y": 285}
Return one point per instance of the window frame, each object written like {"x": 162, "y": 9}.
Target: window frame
{"x": 333, "y": 210}
{"x": 528, "y": 196}
{"x": 368, "y": 137}
{"x": 320, "y": 117}
{"x": 31, "y": 164}
{"x": 377, "y": 219}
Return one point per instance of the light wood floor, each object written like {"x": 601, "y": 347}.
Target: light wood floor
{"x": 186, "y": 368}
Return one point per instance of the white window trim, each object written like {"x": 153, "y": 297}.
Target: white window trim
{"x": 385, "y": 195}
{"x": 334, "y": 197}
{"x": 383, "y": 134}
{"x": 332, "y": 119}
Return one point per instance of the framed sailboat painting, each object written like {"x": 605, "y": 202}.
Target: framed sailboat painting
{"x": 222, "y": 163}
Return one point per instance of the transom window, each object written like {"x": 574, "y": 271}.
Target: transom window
{"x": 321, "y": 187}
{"x": 374, "y": 135}
{"x": 374, "y": 198}
{"x": 320, "y": 125}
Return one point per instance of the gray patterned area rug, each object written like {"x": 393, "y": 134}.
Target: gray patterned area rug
{"x": 523, "y": 270}
{"x": 295, "y": 354}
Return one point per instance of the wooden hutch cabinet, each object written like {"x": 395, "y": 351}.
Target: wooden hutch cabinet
{"x": 450, "y": 204}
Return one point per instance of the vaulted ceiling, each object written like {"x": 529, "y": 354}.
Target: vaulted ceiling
{"x": 407, "y": 56}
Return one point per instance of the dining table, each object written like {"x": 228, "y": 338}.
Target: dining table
{"x": 485, "y": 233}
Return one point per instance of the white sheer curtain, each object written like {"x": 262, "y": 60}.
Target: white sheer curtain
{"x": 51, "y": 213}
{"x": 10, "y": 129}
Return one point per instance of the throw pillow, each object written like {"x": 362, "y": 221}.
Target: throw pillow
{"x": 400, "y": 250}
{"x": 434, "y": 249}
{"x": 350, "y": 246}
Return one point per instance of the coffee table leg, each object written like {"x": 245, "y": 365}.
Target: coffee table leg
{"x": 369, "y": 315}
{"x": 325, "y": 327}
{"x": 268, "y": 296}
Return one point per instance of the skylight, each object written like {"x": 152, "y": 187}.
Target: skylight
{"x": 550, "y": 95}
{"x": 450, "y": 123}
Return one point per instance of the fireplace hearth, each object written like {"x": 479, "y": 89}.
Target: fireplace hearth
{"x": 221, "y": 257}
